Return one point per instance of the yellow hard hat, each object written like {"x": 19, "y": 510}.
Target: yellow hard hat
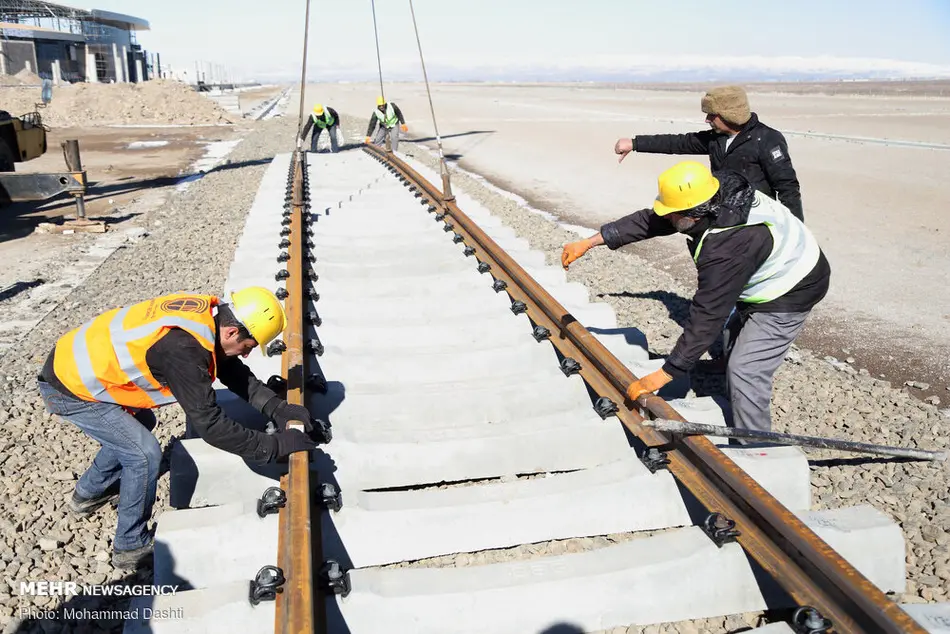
{"x": 684, "y": 186}
{"x": 380, "y": 101}
{"x": 318, "y": 109}
{"x": 260, "y": 312}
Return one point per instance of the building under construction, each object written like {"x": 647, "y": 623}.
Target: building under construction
{"x": 64, "y": 43}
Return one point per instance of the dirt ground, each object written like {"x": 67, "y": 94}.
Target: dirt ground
{"x": 870, "y": 165}
{"x": 118, "y": 175}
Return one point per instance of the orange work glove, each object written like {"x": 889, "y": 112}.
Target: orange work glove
{"x": 366, "y": 140}
{"x": 648, "y": 384}
{"x": 405, "y": 128}
{"x": 573, "y": 251}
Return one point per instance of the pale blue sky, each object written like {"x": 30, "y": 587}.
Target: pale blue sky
{"x": 491, "y": 36}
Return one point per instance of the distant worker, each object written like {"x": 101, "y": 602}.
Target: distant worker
{"x": 737, "y": 141}
{"x": 384, "y": 122}
{"x": 750, "y": 254}
{"x": 322, "y": 119}
{"x": 108, "y": 375}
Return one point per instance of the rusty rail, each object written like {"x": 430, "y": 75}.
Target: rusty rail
{"x": 801, "y": 563}
{"x": 300, "y": 608}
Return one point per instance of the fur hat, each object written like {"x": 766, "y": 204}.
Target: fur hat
{"x": 729, "y": 102}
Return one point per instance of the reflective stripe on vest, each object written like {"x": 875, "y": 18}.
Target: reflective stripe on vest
{"x": 389, "y": 119}
{"x": 104, "y": 359}
{"x": 322, "y": 123}
{"x": 795, "y": 251}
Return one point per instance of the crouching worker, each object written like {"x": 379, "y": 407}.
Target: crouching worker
{"x": 107, "y": 376}
{"x": 750, "y": 253}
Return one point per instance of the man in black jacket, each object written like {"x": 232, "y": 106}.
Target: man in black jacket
{"x": 108, "y": 375}
{"x": 736, "y": 141}
{"x": 751, "y": 254}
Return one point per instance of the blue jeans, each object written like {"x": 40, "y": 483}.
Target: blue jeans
{"x": 130, "y": 454}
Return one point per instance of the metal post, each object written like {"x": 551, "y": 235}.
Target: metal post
{"x": 74, "y": 164}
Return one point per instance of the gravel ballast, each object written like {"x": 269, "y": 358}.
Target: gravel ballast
{"x": 189, "y": 247}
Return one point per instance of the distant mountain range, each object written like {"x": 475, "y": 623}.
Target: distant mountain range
{"x": 633, "y": 69}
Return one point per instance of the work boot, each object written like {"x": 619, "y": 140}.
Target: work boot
{"x": 84, "y": 507}
{"x": 130, "y": 559}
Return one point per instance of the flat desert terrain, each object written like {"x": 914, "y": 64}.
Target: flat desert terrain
{"x": 871, "y": 159}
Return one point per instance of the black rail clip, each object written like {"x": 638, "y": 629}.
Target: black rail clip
{"x": 469, "y": 251}
{"x": 654, "y": 459}
{"x": 720, "y": 529}
{"x": 278, "y": 385}
{"x": 313, "y": 318}
{"x": 438, "y": 217}
{"x": 569, "y": 366}
{"x": 518, "y": 307}
{"x": 540, "y": 333}
{"x": 285, "y": 222}
{"x": 284, "y": 256}
{"x": 316, "y": 382}
{"x": 312, "y": 275}
{"x": 282, "y": 293}
{"x": 315, "y": 346}
{"x": 285, "y": 231}
{"x": 605, "y": 408}
{"x": 458, "y": 238}
{"x": 808, "y": 620}
{"x": 266, "y": 584}
{"x": 271, "y": 501}
{"x": 323, "y": 431}
{"x": 330, "y": 497}
{"x": 276, "y": 348}
{"x": 282, "y": 274}
{"x": 499, "y": 285}
{"x": 313, "y": 294}
{"x": 484, "y": 267}
{"x": 334, "y": 578}
{"x": 284, "y": 244}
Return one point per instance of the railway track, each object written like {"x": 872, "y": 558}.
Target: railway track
{"x": 485, "y": 472}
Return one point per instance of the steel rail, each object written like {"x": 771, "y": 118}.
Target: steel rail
{"x": 300, "y": 608}
{"x": 802, "y": 564}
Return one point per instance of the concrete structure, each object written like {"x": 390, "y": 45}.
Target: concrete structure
{"x": 84, "y": 43}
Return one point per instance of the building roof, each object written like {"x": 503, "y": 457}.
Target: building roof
{"x": 31, "y": 32}
{"x": 41, "y": 9}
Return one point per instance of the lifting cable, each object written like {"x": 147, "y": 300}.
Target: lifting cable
{"x": 303, "y": 68}
{"x": 443, "y": 168}
{"x": 379, "y": 63}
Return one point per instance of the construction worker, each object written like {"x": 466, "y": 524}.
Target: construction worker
{"x": 736, "y": 141}
{"x": 322, "y": 119}
{"x": 384, "y": 122}
{"x": 750, "y": 253}
{"x": 108, "y": 375}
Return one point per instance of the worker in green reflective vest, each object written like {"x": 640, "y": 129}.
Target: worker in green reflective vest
{"x": 322, "y": 119}
{"x": 386, "y": 119}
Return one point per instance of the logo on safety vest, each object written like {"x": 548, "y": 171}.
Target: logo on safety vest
{"x": 186, "y": 305}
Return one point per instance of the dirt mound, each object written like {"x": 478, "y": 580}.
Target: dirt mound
{"x": 151, "y": 102}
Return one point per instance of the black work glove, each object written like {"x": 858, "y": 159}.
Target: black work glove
{"x": 285, "y": 412}
{"x": 291, "y": 441}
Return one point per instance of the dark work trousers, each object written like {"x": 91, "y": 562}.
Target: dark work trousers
{"x": 332, "y": 132}
{"x": 758, "y": 345}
